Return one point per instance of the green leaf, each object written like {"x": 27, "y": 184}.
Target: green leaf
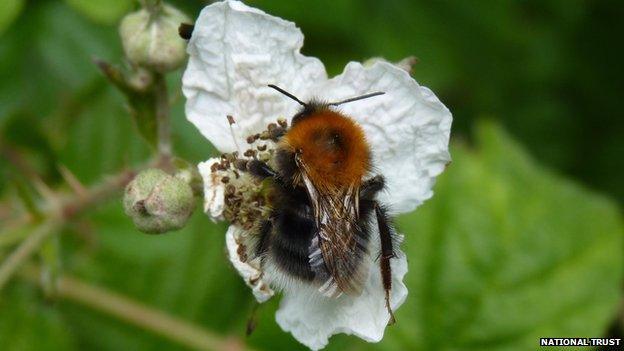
{"x": 106, "y": 12}
{"x": 28, "y": 323}
{"x": 141, "y": 103}
{"x": 69, "y": 44}
{"x": 9, "y": 10}
{"x": 143, "y": 111}
{"x": 505, "y": 253}
{"x": 104, "y": 139}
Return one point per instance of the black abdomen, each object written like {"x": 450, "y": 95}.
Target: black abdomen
{"x": 289, "y": 232}
{"x": 290, "y": 243}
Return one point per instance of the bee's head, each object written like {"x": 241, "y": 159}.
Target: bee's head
{"x": 329, "y": 146}
{"x": 331, "y": 149}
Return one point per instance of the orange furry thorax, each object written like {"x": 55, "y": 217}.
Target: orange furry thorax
{"x": 333, "y": 149}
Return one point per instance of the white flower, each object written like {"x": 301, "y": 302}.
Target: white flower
{"x": 235, "y": 51}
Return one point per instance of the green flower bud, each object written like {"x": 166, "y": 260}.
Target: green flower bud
{"x": 158, "y": 202}
{"x": 150, "y": 37}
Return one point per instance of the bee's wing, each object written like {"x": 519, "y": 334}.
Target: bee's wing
{"x": 337, "y": 251}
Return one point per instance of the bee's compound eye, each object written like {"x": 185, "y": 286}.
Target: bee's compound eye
{"x": 335, "y": 139}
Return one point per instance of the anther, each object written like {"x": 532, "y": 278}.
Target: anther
{"x": 282, "y": 122}
{"x": 240, "y": 251}
{"x": 276, "y": 133}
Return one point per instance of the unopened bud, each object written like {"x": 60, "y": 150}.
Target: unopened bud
{"x": 158, "y": 202}
{"x": 150, "y": 37}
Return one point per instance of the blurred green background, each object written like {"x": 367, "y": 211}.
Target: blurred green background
{"x": 523, "y": 239}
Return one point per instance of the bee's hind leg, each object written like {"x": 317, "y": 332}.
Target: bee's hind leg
{"x": 387, "y": 252}
{"x": 252, "y": 321}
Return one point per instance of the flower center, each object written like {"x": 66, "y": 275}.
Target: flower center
{"x": 245, "y": 196}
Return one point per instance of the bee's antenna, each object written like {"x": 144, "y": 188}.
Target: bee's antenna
{"x": 287, "y": 94}
{"x": 361, "y": 97}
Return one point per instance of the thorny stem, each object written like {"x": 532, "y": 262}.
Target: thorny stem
{"x": 10, "y": 238}
{"x": 138, "y": 314}
{"x": 25, "y": 249}
{"x": 14, "y": 233}
{"x": 59, "y": 214}
{"x": 162, "y": 118}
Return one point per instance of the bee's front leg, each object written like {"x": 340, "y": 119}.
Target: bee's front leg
{"x": 387, "y": 252}
{"x": 257, "y": 168}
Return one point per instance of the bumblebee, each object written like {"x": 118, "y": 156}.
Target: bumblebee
{"x": 323, "y": 207}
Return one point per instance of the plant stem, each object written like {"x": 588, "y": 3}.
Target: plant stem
{"x": 162, "y": 118}
{"x": 58, "y": 215}
{"x": 138, "y": 314}
{"x": 77, "y": 204}
{"x": 25, "y": 249}
{"x": 11, "y": 235}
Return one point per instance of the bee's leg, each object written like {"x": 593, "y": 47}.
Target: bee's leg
{"x": 368, "y": 191}
{"x": 371, "y": 187}
{"x": 387, "y": 252}
{"x": 258, "y": 169}
{"x": 262, "y": 170}
{"x": 252, "y": 321}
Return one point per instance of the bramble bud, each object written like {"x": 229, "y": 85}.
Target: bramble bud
{"x": 158, "y": 202}
{"x": 150, "y": 37}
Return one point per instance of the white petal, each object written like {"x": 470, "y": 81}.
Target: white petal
{"x": 408, "y": 128}
{"x": 313, "y": 318}
{"x": 250, "y": 271}
{"x": 214, "y": 190}
{"x": 235, "y": 51}
{"x": 406, "y": 64}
